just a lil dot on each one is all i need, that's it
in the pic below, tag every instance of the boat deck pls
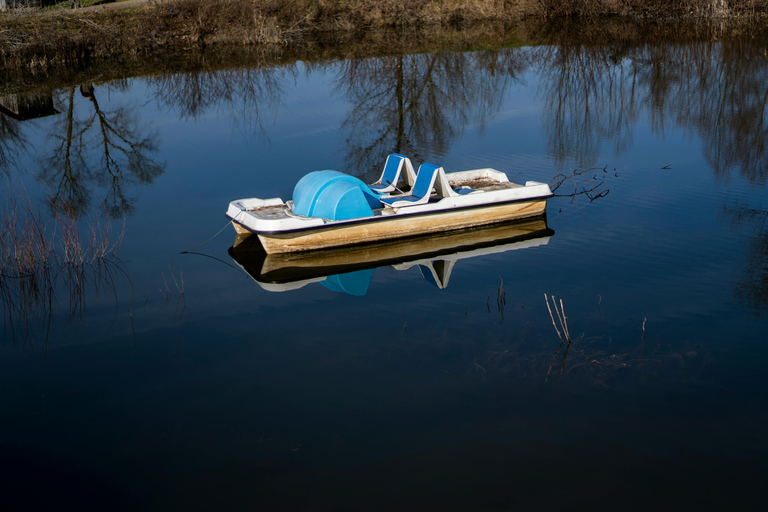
(482, 184)
(276, 212)
(284, 211)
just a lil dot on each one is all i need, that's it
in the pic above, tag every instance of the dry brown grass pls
(42, 42)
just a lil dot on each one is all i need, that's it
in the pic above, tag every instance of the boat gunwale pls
(405, 215)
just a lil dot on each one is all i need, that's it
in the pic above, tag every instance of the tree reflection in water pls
(108, 148)
(418, 104)
(713, 90)
(752, 285)
(595, 95)
(11, 143)
(722, 95)
(249, 94)
(589, 99)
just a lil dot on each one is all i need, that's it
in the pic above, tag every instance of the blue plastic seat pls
(391, 174)
(421, 191)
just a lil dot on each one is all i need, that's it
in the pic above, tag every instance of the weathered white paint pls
(397, 227)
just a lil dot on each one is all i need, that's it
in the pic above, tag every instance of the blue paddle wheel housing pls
(333, 195)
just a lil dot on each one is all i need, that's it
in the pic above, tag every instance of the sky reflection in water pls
(182, 382)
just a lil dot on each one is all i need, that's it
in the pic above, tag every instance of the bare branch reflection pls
(418, 104)
(596, 95)
(11, 143)
(589, 99)
(752, 285)
(248, 94)
(721, 93)
(108, 148)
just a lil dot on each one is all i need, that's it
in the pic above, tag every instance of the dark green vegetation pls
(149, 38)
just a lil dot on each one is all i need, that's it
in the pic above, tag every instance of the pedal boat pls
(332, 209)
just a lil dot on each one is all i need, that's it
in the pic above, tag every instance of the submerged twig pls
(561, 319)
(501, 298)
(581, 185)
(564, 337)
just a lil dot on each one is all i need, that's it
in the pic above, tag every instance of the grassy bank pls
(57, 40)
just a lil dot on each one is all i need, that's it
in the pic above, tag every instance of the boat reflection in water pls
(350, 269)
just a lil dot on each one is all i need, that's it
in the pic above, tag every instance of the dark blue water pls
(168, 380)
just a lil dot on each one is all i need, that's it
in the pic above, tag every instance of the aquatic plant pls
(43, 260)
(181, 310)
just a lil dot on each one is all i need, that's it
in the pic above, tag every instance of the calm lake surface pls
(176, 380)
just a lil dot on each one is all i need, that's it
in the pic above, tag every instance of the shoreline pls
(135, 37)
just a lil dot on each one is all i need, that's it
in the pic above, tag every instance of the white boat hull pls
(396, 227)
